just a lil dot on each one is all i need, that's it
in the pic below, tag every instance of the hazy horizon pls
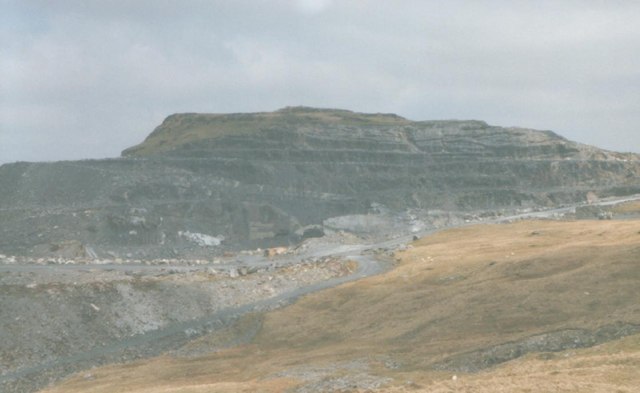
(118, 154)
(89, 79)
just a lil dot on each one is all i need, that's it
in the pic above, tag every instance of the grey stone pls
(256, 179)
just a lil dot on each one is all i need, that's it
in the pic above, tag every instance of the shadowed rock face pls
(254, 179)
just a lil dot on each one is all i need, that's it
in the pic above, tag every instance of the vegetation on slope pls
(457, 300)
(286, 127)
(182, 129)
(627, 208)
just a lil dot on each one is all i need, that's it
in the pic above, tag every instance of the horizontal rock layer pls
(254, 179)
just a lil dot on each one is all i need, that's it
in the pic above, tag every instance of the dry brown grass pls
(632, 207)
(452, 292)
(612, 367)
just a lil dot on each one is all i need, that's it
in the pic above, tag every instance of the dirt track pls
(176, 331)
(98, 290)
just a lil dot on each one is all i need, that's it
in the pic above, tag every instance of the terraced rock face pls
(255, 179)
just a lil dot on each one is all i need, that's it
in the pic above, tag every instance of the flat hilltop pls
(519, 307)
(184, 134)
(257, 180)
(183, 129)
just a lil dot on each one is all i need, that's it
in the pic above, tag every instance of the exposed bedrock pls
(254, 180)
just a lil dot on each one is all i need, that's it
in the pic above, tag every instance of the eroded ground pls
(57, 319)
(527, 306)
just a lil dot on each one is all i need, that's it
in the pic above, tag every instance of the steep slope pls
(390, 160)
(489, 304)
(257, 180)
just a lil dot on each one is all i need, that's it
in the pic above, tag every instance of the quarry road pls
(257, 262)
(176, 334)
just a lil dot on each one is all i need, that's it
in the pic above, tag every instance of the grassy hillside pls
(627, 208)
(513, 303)
(182, 129)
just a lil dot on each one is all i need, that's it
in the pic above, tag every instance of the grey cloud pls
(89, 78)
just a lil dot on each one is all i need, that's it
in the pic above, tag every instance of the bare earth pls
(533, 306)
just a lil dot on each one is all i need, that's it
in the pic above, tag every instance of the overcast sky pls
(86, 79)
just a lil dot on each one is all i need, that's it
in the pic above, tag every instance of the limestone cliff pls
(256, 179)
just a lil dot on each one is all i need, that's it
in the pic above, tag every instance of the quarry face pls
(202, 184)
(215, 216)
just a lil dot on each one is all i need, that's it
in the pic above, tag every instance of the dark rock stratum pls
(257, 179)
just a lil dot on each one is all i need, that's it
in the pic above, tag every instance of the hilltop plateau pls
(185, 245)
(203, 184)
